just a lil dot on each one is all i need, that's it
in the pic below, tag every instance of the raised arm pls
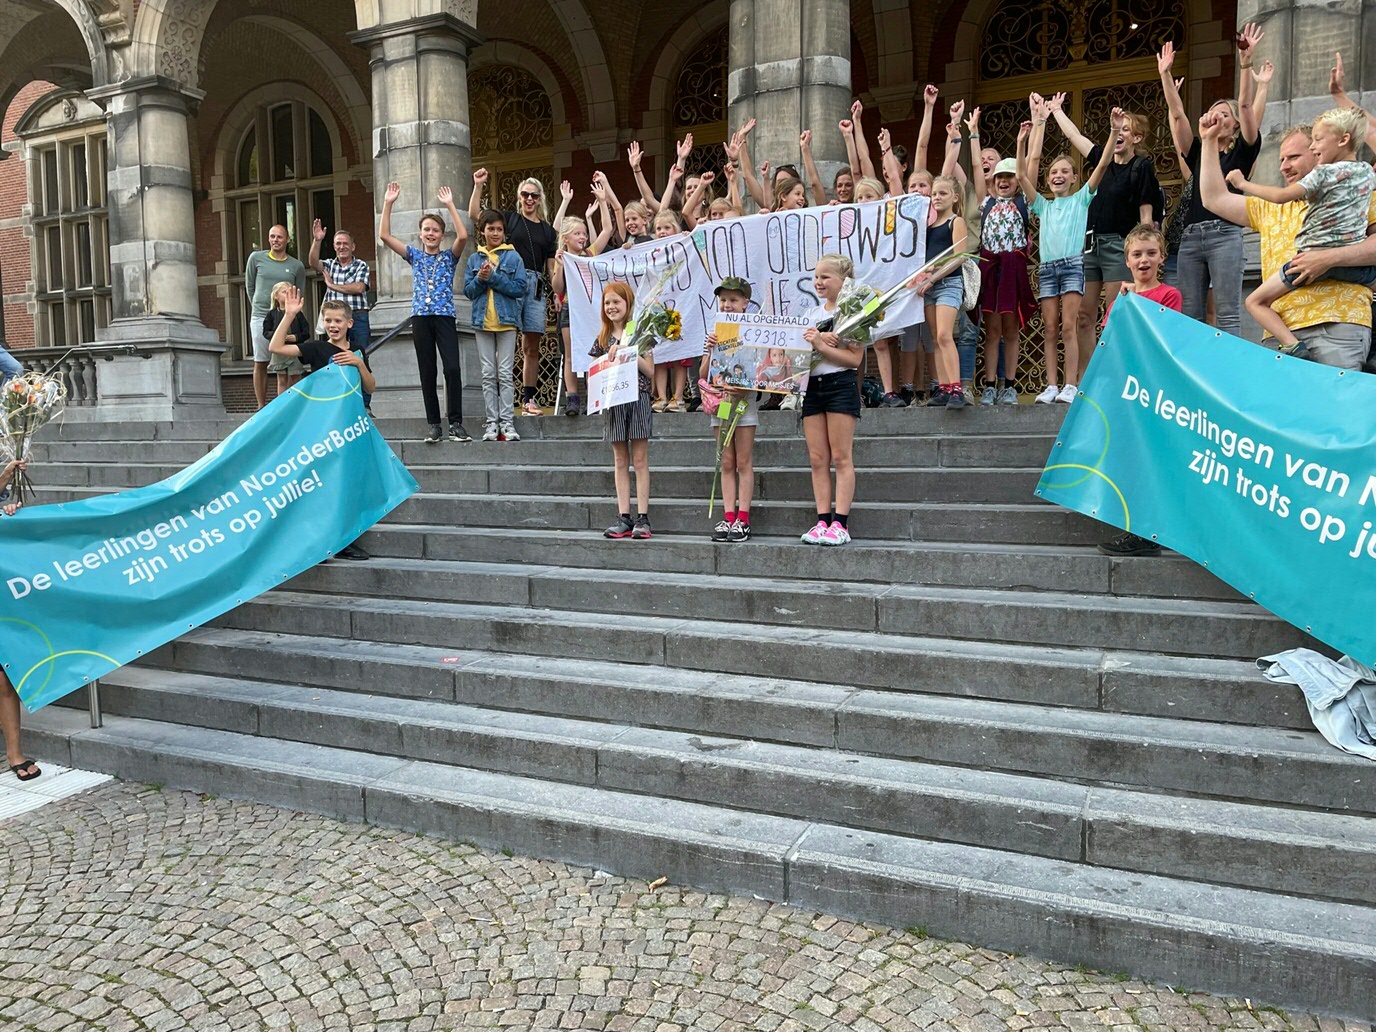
(977, 176)
(446, 197)
(674, 177)
(384, 221)
(924, 131)
(893, 171)
(1213, 190)
(814, 181)
(1181, 132)
(475, 199)
(694, 199)
(1248, 119)
(313, 258)
(291, 308)
(762, 192)
(950, 164)
(1056, 106)
(1262, 73)
(862, 146)
(1274, 194)
(1337, 85)
(601, 189)
(732, 147)
(1027, 169)
(565, 199)
(1118, 124)
(847, 128)
(646, 194)
(733, 189)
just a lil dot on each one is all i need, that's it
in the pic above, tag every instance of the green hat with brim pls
(735, 283)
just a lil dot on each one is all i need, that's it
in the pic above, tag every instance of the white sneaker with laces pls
(814, 536)
(509, 433)
(1048, 395)
(835, 535)
(489, 432)
(1068, 393)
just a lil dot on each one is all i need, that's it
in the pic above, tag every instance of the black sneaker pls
(435, 434)
(369, 409)
(722, 531)
(938, 398)
(620, 529)
(908, 395)
(892, 400)
(641, 528)
(956, 400)
(739, 531)
(1130, 544)
(458, 433)
(572, 405)
(352, 552)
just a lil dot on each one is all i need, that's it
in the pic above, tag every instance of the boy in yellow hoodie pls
(495, 283)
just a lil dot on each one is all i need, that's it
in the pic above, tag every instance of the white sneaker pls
(835, 535)
(1048, 395)
(1067, 394)
(510, 434)
(490, 432)
(814, 536)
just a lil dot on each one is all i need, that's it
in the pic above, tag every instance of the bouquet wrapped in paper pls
(27, 403)
(653, 320)
(860, 308)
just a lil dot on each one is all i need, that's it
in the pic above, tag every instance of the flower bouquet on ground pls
(27, 403)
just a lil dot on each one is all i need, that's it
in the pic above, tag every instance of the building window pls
(513, 132)
(71, 234)
(283, 174)
(1026, 37)
(700, 103)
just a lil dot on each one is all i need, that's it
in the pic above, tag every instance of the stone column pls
(790, 69)
(152, 220)
(420, 134)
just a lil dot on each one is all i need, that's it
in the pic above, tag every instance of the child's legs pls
(1070, 320)
(680, 381)
(486, 342)
(945, 358)
(1259, 303)
(728, 469)
(570, 377)
(1010, 333)
(993, 340)
(662, 381)
(621, 473)
(1089, 317)
(9, 719)
(640, 456)
(506, 389)
(840, 434)
(743, 446)
(883, 360)
(819, 458)
(1051, 327)
(907, 364)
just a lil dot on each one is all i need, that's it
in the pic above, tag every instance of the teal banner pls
(95, 584)
(1258, 466)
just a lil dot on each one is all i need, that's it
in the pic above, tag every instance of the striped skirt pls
(628, 422)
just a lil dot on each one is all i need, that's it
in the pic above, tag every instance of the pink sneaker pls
(835, 535)
(814, 536)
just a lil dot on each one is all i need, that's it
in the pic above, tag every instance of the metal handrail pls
(390, 335)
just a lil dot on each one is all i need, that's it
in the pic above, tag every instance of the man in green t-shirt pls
(266, 269)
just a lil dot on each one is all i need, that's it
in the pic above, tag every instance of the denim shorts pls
(1061, 276)
(1103, 262)
(832, 392)
(533, 308)
(949, 291)
(1341, 273)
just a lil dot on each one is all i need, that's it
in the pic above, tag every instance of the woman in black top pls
(1211, 247)
(1125, 198)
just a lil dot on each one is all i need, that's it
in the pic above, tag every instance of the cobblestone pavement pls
(135, 908)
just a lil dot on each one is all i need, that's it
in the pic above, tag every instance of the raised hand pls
(952, 133)
(730, 171)
(318, 230)
(1166, 58)
(957, 111)
(733, 148)
(856, 110)
(805, 140)
(1024, 131)
(685, 147)
(633, 153)
(588, 213)
(845, 125)
(707, 178)
(764, 169)
(972, 122)
(1118, 119)
(566, 190)
(479, 176)
(1247, 39)
(1263, 72)
(393, 192)
(675, 173)
(885, 141)
(599, 188)
(930, 95)
(292, 303)
(1208, 126)
(1337, 80)
(747, 128)
(599, 177)
(446, 196)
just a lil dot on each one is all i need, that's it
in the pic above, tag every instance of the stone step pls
(1246, 845)
(1057, 727)
(1300, 952)
(1238, 630)
(689, 699)
(1028, 567)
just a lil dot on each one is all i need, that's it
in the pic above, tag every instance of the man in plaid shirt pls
(346, 279)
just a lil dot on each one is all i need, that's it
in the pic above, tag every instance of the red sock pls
(744, 516)
(951, 388)
(729, 517)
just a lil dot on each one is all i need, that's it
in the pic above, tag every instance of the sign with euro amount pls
(94, 584)
(761, 352)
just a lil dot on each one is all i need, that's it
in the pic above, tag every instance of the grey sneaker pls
(458, 433)
(489, 432)
(989, 395)
(435, 434)
(1008, 396)
(509, 434)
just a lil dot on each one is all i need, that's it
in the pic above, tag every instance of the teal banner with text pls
(91, 585)
(1259, 466)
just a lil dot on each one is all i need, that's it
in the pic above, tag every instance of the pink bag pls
(712, 397)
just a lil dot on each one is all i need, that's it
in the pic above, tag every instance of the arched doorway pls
(512, 127)
(1101, 54)
(699, 105)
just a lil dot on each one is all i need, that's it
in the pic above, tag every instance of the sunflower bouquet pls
(27, 403)
(651, 324)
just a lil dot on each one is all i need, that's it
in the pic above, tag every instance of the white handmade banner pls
(776, 253)
(612, 380)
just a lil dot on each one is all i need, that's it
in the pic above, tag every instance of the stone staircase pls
(967, 721)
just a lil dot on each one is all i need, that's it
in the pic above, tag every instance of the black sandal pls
(26, 765)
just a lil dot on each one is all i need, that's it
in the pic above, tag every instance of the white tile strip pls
(55, 783)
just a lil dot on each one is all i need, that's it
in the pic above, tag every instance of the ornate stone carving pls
(184, 24)
(112, 16)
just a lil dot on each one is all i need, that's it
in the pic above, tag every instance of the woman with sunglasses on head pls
(529, 231)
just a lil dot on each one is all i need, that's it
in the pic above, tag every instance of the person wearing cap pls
(1005, 297)
(737, 460)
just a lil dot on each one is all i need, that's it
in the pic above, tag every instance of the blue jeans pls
(9, 366)
(1211, 255)
(358, 340)
(967, 340)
